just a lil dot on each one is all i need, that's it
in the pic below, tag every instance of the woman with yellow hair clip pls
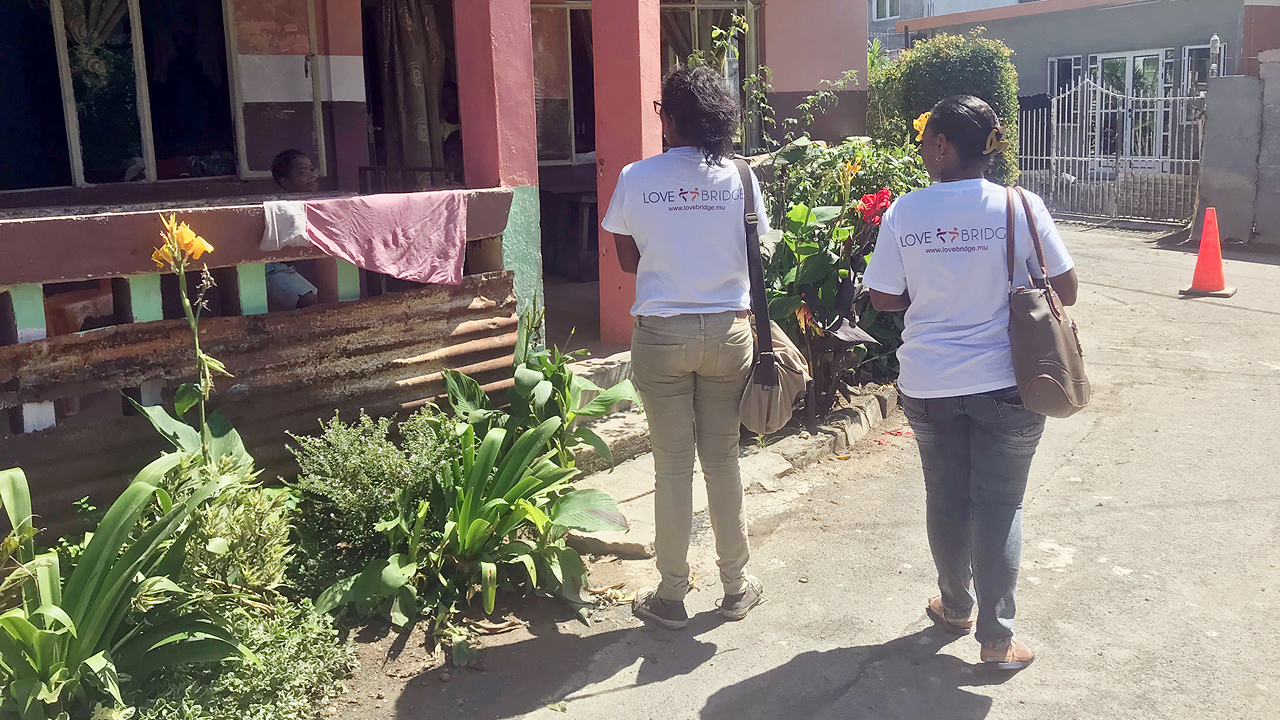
(942, 257)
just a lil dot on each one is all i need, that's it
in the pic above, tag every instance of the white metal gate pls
(1092, 151)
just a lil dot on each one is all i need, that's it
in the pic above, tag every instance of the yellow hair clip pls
(994, 143)
(920, 124)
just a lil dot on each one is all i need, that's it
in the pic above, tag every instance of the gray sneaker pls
(667, 613)
(736, 607)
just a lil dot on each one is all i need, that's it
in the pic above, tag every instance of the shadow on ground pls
(553, 666)
(903, 679)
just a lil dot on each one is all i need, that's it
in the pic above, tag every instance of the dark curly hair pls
(967, 122)
(282, 164)
(698, 101)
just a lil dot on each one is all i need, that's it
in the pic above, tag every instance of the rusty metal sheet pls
(384, 355)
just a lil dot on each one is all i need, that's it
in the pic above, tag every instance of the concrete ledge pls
(631, 481)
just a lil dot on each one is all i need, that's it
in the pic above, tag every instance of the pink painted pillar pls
(494, 39)
(495, 90)
(628, 80)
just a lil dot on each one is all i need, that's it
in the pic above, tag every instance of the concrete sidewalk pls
(1149, 581)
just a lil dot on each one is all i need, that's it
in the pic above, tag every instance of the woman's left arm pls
(1067, 286)
(884, 302)
(628, 253)
(1062, 273)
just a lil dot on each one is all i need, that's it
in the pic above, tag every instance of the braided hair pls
(698, 101)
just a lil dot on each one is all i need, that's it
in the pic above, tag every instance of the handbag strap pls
(1009, 229)
(1011, 223)
(1035, 235)
(766, 373)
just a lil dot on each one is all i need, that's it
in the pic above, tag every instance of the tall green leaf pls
(15, 494)
(588, 511)
(183, 436)
(516, 463)
(601, 404)
(465, 394)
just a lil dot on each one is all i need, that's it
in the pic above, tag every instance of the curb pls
(789, 451)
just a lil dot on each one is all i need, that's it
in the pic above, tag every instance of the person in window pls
(286, 289)
(941, 256)
(677, 221)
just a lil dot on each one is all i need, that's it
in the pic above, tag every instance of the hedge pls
(936, 69)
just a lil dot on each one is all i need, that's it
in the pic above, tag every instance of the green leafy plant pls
(828, 202)
(545, 387)
(69, 639)
(352, 477)
(491, 495)
(180, 248)
(304, 663)
(937, 68)
(241, 542)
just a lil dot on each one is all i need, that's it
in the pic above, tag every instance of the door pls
(1128, 121)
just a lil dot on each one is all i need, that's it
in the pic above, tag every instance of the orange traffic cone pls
(1209, 280)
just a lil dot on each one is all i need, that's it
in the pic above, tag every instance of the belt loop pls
(702, 321)
(639, 321)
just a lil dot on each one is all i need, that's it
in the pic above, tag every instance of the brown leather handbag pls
(1048, 360)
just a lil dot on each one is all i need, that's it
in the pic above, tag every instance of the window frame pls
(142, 95)
(750, 51)
(888, 7)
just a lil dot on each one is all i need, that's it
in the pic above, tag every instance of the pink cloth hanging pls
(420, 237)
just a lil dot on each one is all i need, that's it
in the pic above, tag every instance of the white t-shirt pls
(687, 219)
(946, 244)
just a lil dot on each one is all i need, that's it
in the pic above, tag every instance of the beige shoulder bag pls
(1047, 357)
(779, 373)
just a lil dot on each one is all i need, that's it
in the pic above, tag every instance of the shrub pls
(304, 662)
(544, 387)
(936, 69)
(494, 498)
(348, 483)
(242, 540)
(828, 202)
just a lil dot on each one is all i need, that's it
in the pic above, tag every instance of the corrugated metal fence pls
(383, 354)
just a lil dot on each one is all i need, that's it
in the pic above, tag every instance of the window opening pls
(33, 135)
(189, 87)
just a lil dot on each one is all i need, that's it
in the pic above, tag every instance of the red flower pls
(873, 207)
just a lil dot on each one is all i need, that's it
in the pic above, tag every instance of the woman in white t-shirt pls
(941, 257)
(677, 221)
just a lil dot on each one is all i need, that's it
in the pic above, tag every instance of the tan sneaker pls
(1014, 656)
(939, 614)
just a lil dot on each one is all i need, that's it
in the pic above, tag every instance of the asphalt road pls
(1149, 582)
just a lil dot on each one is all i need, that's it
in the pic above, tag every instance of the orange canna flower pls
(191, 243)
(162, 257)
(201, 247)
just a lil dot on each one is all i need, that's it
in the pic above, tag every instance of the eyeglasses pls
(657, 107)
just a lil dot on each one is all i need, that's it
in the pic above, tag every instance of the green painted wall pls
(252, 285)
(145, 302)
(28, 310)
(522, 245)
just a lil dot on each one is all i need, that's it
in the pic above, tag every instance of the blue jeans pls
(976, 451)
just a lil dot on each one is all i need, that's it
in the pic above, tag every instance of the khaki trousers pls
(690, 371)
